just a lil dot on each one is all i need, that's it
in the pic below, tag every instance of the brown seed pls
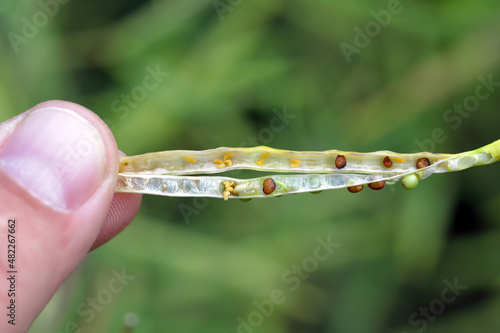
(355, 189)
(377, 185)
(340, 161)
(387, 162)
(423, 163)
(269, 186)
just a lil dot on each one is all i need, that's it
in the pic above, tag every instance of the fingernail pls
(56, 155)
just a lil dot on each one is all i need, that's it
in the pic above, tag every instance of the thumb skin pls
(58, 169)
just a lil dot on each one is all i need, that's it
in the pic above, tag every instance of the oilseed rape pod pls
(183, 173)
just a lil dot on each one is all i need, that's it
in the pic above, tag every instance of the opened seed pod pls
(174, 173)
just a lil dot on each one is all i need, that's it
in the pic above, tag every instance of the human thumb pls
(58, 168)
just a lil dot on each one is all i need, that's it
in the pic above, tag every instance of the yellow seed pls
(260, 163)
(294, 165)
(189, 159)
(163, 187)
(266, 155)
(228, 155)
(217, 161)
(228, 162)
(398, 159)
(228, 188)
(221, 166)
(294, 161)
(228, 184)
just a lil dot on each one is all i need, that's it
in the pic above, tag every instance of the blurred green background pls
(227, 70)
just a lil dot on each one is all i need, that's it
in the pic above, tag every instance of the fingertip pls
(122, 211)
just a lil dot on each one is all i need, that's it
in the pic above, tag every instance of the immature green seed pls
(268, 186)
(316, 192)
(377, 185)
(340, 161)
(245, 200)
(409, 182)
(423, 163)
